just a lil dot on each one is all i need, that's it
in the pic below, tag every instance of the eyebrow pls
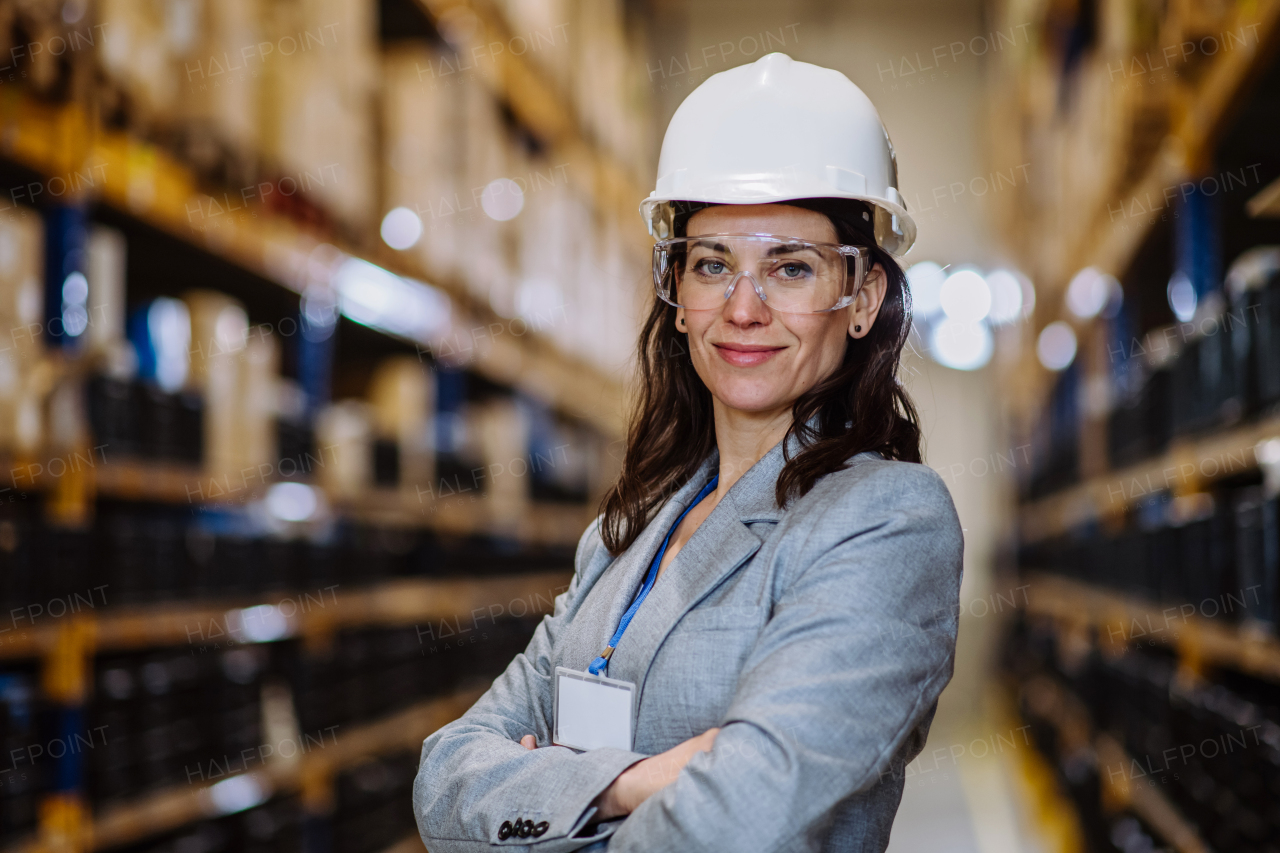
(707, 244)
(784, 249)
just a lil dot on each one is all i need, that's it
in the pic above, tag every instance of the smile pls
(746, 355)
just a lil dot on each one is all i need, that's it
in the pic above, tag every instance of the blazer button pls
(526, 829)
(541, 829)
(504, 831)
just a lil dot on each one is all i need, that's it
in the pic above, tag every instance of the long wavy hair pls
(861, 406)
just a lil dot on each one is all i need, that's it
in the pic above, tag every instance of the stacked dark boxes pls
(1212, 748)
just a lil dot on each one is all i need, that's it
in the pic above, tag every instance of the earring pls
(857, 328)
(681, 321)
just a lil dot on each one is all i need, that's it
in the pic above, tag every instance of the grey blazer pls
(818, 639)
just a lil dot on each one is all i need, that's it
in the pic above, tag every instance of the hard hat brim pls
(895, 229)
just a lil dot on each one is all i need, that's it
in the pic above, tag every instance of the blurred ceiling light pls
(1056, 346)
(380, 299)
(291, 501)
(231, 329)
(75, 288)
(169, 328)
(1182, 296)
(1268, 451)
(262, 623)
(73, 11)
(75, 296)
(1089, 291)
(1250, 271)
(401, 228)
(1006, 296)
(319, 309)
(237, 794)
(181, 22)
(537, 300)
(965, 296)
(502, 199)
(925, 281)
(323, 261)
(961, 344)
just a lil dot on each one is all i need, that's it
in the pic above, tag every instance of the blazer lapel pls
(721, 544)
(612, 594)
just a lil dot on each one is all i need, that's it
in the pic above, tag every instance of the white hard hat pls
(779, 130)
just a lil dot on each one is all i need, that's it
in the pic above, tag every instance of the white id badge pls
(592, 711)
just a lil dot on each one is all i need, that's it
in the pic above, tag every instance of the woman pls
(762, 618)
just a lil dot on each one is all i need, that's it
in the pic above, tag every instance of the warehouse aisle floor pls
(957, 801)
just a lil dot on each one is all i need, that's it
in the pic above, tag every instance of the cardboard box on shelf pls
(344, 436)
(319, 96)
(402, 395)
(105, 271)
(260, 368)
(501, 428)
(21, 311)
(137, 52)
(420, 120)
(219, 339)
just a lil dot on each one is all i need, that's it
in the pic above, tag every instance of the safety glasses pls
(789, 275)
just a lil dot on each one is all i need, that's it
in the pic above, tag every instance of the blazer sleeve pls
(474, 775)
(859, 645)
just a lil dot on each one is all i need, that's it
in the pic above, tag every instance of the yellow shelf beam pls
(312, 614)
(1267, 202)
(1055, 703)
(1119, 619)
(1147, 802)
(179, 805)
(89, 161)
(455, 513)
(1187, 466)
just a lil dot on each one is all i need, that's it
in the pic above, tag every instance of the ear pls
(866, 305)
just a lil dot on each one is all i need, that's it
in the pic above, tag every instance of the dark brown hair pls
(861, 406)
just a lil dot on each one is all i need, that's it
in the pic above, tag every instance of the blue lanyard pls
(600, 663)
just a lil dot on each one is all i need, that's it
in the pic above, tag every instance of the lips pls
(746, 355)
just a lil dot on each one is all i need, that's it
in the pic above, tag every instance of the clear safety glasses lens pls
(792, 276)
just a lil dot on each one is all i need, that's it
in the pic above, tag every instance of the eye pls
(711, 266)
(792, 270)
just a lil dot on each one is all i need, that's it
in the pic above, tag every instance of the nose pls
(744, 303)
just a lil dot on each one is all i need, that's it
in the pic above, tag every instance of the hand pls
(645, 778)
(529, 742)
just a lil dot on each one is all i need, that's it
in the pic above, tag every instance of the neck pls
(743, 438)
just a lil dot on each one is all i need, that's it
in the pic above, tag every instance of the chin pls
(746, 395)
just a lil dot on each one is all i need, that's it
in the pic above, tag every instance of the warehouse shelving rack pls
(66, 646)
(1194, 115)
(65, 141)
(390, 603)
(1192, 108)
(312, 776)
(1083, 614)
(538, 105)
(1187, 466)
(174, 483)
(1056, 704)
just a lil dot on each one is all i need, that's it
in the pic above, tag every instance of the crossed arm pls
(644, 778)
(857, 649)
